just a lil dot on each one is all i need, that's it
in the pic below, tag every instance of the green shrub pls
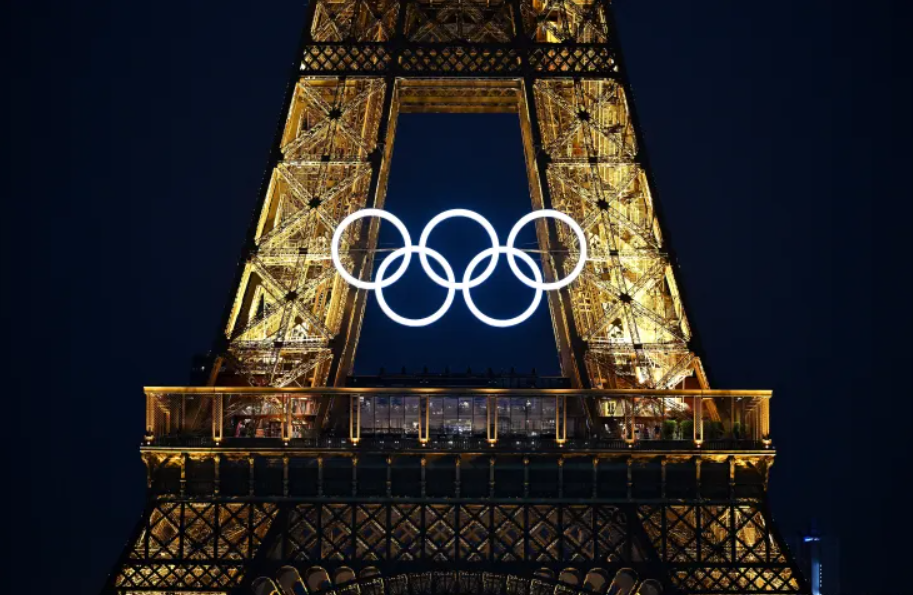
(716, 430)
(687, 427)
(669, 427)
(737, 431)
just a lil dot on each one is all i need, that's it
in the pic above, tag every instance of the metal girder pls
(293, 322)
(364, 59)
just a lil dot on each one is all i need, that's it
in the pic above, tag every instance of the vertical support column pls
(250, 477)
(629, 420)
(218, 405)
(698, 421)
(595, 477)
(630, 462)
(217, 482)
(764, 415)
(149, 461)
(571, 347)
(150, 418)
(389, 491)
(354, 476)
(183, 491)
(354, 419)
(456, 478)
(526, 477)
(491, 420)
(561, 419)
(346, 339)
(491, 477)
(561, 477)
(423, 484)
(424, 412)
(663, 464)
(286, 419)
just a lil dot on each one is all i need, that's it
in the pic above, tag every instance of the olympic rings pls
(450, 283)
(581, 241)
(451, 287)
(468, 296)
(334, 248)
(423, 241)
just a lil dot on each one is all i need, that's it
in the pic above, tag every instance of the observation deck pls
(525, 476)
(469, 419)
(399, 437)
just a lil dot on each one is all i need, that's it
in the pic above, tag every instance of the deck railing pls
(459, 419)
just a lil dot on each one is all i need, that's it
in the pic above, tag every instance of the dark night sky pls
(136, 135)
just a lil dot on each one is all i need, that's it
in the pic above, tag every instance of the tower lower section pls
(218, 520)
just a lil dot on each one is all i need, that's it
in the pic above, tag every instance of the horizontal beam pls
(456, 391)
(348, 450)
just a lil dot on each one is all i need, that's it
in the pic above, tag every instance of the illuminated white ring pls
(407, 251)
(581, 262)
(423, 241)
(337, 235)
(501, 323)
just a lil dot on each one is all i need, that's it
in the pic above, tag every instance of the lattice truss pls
(195, 545)
(722, 548)
(354, 20)
(703, 547)
(626, 305)
(565, 21)
(474, 21)
(445, 533)
(290, 301)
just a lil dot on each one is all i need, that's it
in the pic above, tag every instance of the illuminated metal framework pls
(636, 479)
(295, 322)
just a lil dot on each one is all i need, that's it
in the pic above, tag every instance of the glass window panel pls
(479, 415)
(465, 408)
(411, 406)
(382, 413)
(436, 414)
(397, 411)
(367, 413)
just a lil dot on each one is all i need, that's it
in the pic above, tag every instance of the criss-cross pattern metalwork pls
(629, 483)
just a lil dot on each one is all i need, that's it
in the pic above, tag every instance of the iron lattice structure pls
(295, 322)
(279, 504)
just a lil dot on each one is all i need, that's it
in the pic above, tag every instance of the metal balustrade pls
(478, 419)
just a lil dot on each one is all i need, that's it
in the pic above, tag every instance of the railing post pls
(491, 420)
(698, 420)
(150, 418)
(286, 418)
(561, 419)
(424, 412)
(217, 408)
(629, 420)
(355, 419)
(764, 416)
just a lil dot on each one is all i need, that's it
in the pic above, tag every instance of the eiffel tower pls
(282, 473)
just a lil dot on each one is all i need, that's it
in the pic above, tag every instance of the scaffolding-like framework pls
(295, 322)
(524, 513)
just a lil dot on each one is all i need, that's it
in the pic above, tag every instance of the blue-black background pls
(135, 137)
